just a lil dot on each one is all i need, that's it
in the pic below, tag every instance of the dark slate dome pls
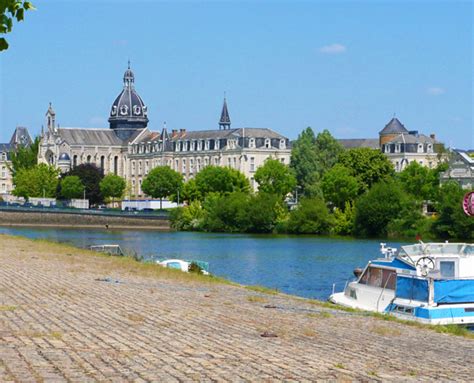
(64, 157)
(128, 112)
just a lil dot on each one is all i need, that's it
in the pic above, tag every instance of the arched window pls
(102, 163)
(88, 159)
(115, 165)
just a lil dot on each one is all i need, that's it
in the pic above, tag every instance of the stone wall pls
(64, 219)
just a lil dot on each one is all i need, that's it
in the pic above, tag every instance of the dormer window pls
(430, 148)
(252, 143)
(136, 109)
(123, 110)
(206, 145)
(113, 112)
(216, 145)
(267, 143)
(282, 143)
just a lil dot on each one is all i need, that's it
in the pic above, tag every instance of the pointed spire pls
(224, 122)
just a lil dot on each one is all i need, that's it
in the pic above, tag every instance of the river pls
(306, 266)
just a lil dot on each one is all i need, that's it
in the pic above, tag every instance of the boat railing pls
(345, 285)
(384, 287)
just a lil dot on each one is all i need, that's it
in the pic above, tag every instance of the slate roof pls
(5, 148)
(350, 143)
(228, 133)
(412, 139)
(82, 136)
(225, 118)
(20, 132)
(394, 126)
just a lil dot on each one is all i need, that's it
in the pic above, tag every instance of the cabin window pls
(378, 277)
(447, 269)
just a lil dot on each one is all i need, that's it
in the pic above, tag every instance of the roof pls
(225, 118)
(412, 139)
(228, 133)
(394, 126)
(83, 136)
(350, 143)
(5, 148)
(21, 136)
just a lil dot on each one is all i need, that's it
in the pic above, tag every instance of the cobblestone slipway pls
(67, 315)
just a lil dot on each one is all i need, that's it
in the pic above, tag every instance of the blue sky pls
(343, 66)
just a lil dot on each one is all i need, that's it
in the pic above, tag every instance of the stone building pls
(461, 170)
(402, 146)
(21, 137)
(130, 149)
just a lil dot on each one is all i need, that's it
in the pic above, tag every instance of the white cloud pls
(333, 49)
(97, 122)
(435, 91)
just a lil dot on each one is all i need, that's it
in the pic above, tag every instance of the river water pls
(300, 265)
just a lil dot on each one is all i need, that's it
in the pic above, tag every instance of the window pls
(176, 165)
(267, 143)
(252, 143)
(191, 165)
(115, 165)
(146, 167)
(89, 159)
(282, 160)
(229, 163)
(4, 188)
(74, 160)
(4, 172)
(282, 144)
(133, 168)
(235, 163)
(206, 161)
(198, 164)
(377, 277)
(447, 269)
(216, 161)
(183, 166)
(139, 167)
(252, 164)
(102, 163)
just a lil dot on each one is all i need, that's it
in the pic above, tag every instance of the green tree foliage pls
(189, 192)
(452, 222)
(420, 181)
(38, 181)
(275, 178)
(344, 219)
(327, 151)
(311, 157)
(216, 179)
(226, 213)
(112, 186)
(369, 166)
(10, 10)
(188, 217)
(339, 186)
(71, 187)
(161, 182)
(24, 157)
(374, 210)
(310, 217)
(265, 211)
(90, 176)
(303, 158)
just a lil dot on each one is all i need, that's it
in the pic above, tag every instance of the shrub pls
(310, 217)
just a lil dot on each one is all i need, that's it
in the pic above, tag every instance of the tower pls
(51, 119)
(128, 113)
(224, 122)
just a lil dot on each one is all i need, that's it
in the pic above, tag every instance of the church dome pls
(128, 110)
(64, 157)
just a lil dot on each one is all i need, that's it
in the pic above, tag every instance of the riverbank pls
(70, 314)
(74, 219)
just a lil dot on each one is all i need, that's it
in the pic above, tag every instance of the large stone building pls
(20, 137)
(402, 146)
(130, 149)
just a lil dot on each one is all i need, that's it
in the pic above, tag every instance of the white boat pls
(186, 266)
(431, 283)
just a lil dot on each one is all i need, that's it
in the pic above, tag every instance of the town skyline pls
(286, 67)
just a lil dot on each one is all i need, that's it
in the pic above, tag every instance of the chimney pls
(433, 136)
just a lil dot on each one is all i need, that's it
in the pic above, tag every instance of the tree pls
(327, 151)
(419, 181)
(339, 186)
(112, 186)
(275, 178)
(226, 212)
(312, 156)
(303, 158)
(369, 166)
(72, 187)
(90, 176)
(24, 157)
(38, 181)
(310, 217)
(452, 222)
(374, 210)
(216, 179)
(161, 182)
(10, 10)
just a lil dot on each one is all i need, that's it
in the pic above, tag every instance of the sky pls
(348, 67)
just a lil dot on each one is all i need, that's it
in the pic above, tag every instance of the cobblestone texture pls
(60, 321)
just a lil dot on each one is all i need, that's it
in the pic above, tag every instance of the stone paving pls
(67, 315)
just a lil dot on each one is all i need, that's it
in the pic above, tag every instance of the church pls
(130, 149)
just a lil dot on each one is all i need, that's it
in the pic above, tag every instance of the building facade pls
(461, 170)
(21, 137)
(402, 146)
(130, 149)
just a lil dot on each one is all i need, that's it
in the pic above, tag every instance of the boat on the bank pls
(427, 282)
(187, 266)
(108, 249)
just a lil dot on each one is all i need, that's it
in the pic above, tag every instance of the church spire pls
(224, 122)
